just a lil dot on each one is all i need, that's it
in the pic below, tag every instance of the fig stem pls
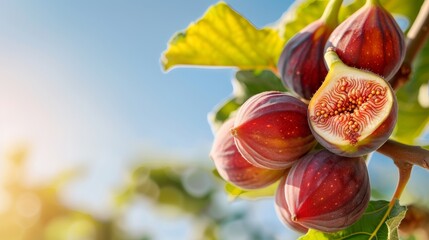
(415, 40)
(330, 14)
(404, 169)
(331, 57)
(405, 154)
(373, 2)
(404, 157)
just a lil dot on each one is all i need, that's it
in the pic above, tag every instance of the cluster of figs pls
(314, 139)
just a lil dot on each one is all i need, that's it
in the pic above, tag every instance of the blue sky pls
(81, 85)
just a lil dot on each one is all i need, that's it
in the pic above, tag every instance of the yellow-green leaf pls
(235, 192)
(222, 37)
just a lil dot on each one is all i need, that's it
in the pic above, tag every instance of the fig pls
(301, 66)
(327, 192)
(354, 111)
(233, 168)
(282, 209)
(370, 39)
(271, 130)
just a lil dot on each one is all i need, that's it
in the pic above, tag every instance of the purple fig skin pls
(327, 192)
(370, 39)
(282, 209)
(301, 65)
(233, 168)
(271, 130)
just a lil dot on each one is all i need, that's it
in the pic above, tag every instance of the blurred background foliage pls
(36, 212)
(175, 189)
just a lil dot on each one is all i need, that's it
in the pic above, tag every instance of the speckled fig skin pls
(327, 192)
(370, 39)
(282, 210)
(301, 64)
(233, 168)
(271, 130)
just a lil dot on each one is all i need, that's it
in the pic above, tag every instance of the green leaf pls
(412, 116)
(235, 192)
(223, 111)
(249, 83)
(222, 37)
(246, 84)
(396, 216)
(367, 225)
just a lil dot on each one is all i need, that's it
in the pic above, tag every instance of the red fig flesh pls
(354, 112)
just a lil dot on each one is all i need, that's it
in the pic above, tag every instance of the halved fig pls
(327, 192)
(354, 111)
(233, 168)
(271, 130)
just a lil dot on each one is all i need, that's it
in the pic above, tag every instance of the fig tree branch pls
(415, 41)
(404, 155)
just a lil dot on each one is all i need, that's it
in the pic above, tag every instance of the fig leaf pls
(367, 225)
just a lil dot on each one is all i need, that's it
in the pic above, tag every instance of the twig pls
(405, 154)
(402, 155)
(415, 41)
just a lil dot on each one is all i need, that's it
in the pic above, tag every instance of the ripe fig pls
(370, 39)
(354, 111)
(301, 64)
(233, 168)
(282, 209)
(327, 192)
(271, 130)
